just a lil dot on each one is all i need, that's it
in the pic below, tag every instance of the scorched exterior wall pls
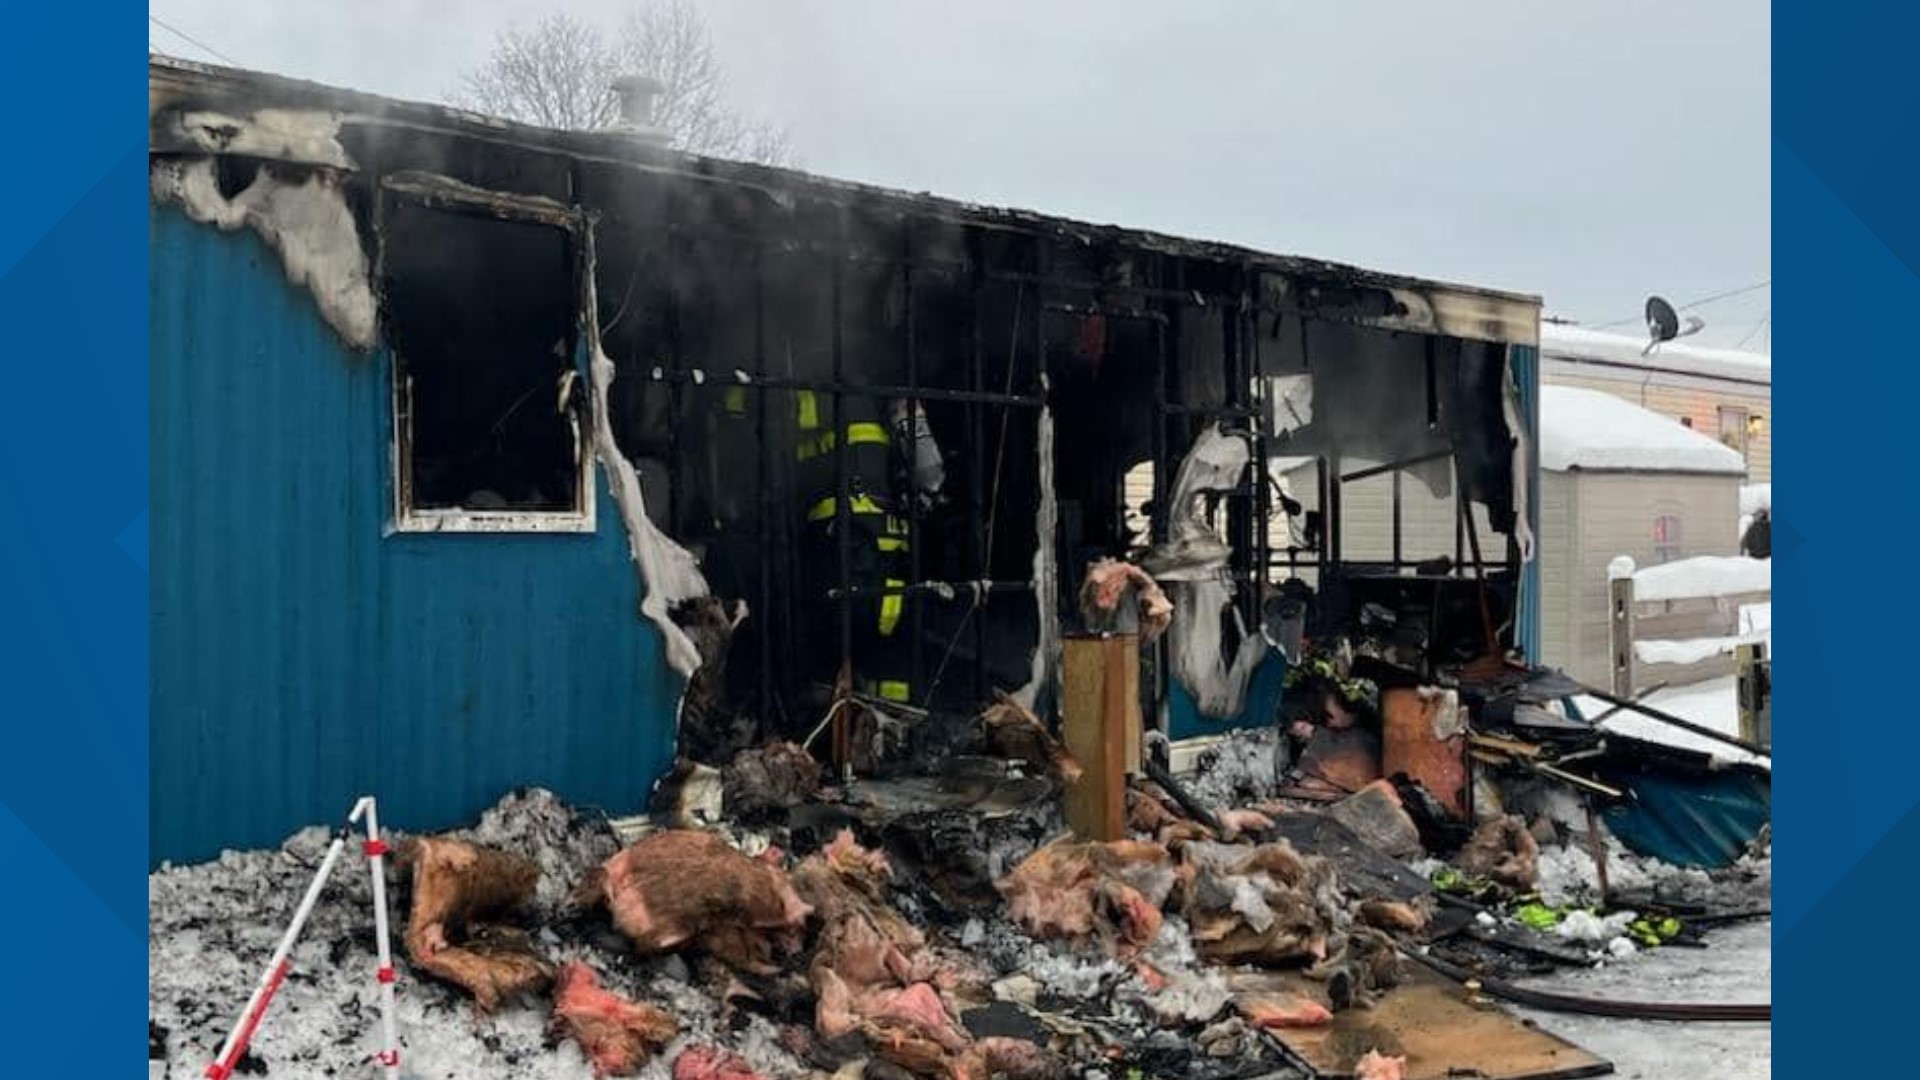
(301, 658)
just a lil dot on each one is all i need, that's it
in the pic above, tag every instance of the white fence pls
(1686, 621)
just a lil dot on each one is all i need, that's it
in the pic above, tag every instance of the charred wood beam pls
(1395, 466)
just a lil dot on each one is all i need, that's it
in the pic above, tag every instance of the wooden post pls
(1597, 847)
(1620, 622)
(1100, 723)
(1756, 695)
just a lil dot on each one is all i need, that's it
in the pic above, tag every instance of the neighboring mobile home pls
(1616, 480)
(1724, 394)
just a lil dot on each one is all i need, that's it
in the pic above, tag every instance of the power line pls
(191, 40)
(1757, 327)
(1702, 302)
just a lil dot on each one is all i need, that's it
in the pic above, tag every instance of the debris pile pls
(768, 924)
(617, 1035)
(680, 887)
(465, 890)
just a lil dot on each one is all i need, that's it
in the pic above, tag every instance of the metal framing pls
(1036, 295)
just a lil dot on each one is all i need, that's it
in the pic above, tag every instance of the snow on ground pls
(1735, 968)
(211, 928)
(1711, 704)
(1690, 650)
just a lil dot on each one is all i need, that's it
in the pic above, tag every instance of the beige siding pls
(1427, 528)
(1698, 400)
(1611, 514)
(1426, 520)
(1556, 550)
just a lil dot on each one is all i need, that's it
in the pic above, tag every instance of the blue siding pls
(1525, 360)
(301, 659)
(1265, 688)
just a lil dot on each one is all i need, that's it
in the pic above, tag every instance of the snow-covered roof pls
(1579, 344)
(1592, 430)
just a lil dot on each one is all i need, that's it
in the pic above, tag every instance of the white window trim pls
(407, 518)
(582, 517)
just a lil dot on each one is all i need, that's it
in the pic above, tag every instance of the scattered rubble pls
(618, 1035)
(933, 927)
(1375, 1066)
(1503, 851)
(1016, 733)
(759, 784)
(1376, 815)
(460, 892)
(1108, 583)
(212, 925)
(681, 887)
(1112, 892)
(712, 1063)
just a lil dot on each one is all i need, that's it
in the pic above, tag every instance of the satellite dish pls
(1663, 324)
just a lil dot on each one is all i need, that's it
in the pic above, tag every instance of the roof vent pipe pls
(636, 94)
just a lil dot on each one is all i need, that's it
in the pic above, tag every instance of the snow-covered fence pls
(1687, 620)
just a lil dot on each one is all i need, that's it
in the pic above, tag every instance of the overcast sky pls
(1589, 153)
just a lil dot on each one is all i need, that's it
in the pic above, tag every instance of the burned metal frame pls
(1239, 294)
(839, 387)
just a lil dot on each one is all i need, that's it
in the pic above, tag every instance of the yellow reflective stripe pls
(857, 435)
(891, 543)
(887, 689)
(891, 605)
(824, 509)
(809, 410)
(867, 434)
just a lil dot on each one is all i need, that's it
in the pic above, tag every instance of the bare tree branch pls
(560, 72)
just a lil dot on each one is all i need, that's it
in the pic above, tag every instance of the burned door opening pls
(840, 414)
(482, 313)
(838, 417)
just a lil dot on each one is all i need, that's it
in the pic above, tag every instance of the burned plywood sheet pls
(1426, 1020)
(1363, 870)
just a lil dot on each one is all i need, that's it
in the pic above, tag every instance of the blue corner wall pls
(1525, 363)
(300, 658)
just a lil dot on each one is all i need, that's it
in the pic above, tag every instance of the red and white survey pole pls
(235, 1047)
(376, 849)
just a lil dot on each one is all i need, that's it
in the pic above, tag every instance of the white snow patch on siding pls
(307, 221)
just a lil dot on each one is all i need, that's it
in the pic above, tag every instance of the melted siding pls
(301, 659)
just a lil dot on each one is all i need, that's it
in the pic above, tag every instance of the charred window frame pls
(481, 299)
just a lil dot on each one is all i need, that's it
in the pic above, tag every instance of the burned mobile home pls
(488, 455)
